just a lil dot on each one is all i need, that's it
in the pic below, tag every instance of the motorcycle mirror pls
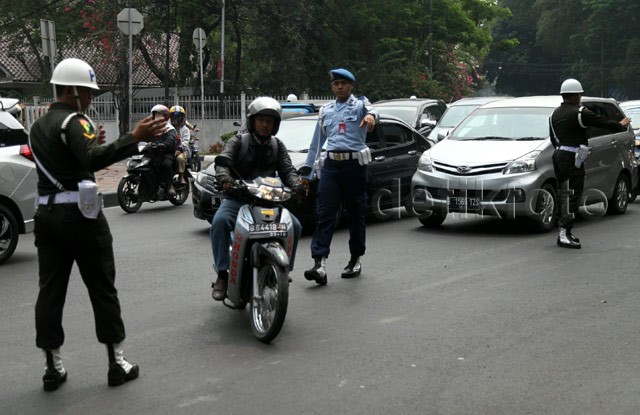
(304, 171)
(224, 161)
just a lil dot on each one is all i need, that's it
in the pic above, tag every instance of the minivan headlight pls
(523, 164)
(424, 162)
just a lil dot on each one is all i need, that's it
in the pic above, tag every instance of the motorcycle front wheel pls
(269, 304)
(129, 195)
(195, 163)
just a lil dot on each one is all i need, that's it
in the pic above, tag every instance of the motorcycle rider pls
(167, 145)
(255, 153)
(179, 121)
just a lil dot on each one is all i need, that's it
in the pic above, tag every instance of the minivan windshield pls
(513, 124)
(455, 113)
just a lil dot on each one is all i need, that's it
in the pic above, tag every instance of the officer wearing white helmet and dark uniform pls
(69, 224)
(568, 132)
(343, 124)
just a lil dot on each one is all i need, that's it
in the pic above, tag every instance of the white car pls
(497, 161)
(455, 113)
(18, 180)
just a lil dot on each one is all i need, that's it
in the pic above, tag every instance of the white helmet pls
(265, 106)
(571, 86)
(292, 97)
(162, 109)
(74, 72)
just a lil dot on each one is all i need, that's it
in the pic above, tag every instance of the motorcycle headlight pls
(424, 162)
(523, 164)
(274, 194)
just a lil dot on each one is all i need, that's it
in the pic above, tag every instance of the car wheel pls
(545, 213)
(432, 219)
(8, 233)
(620, 200)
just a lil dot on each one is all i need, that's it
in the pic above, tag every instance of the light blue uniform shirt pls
(339, 126)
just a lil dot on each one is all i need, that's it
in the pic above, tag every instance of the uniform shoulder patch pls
(89, 131)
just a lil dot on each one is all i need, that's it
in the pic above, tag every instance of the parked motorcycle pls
(144, 183)
(261, 246)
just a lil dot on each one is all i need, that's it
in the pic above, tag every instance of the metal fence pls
(104, 108)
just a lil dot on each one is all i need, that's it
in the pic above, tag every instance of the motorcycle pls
(143, 183)
(193, 158)
(262, 241)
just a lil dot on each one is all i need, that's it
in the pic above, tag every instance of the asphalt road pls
(479, 317)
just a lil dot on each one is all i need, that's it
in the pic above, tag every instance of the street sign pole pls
(130, 22)
(199, 39)
(48, 33)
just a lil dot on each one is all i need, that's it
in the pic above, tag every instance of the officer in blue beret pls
(343, 124)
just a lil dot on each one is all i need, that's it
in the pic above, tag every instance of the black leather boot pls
(353, 268)
(53, 378)
(317, 273)
(219, 291)
(120, 371)
(565, 241)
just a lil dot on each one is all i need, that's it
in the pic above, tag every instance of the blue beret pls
(341, 73)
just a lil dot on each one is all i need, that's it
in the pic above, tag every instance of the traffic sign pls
(130, 18)
(48, 34)
(199, 38)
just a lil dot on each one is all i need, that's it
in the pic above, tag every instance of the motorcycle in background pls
(143, 183)
(261, 246)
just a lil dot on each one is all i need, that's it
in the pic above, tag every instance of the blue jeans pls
(222, 225)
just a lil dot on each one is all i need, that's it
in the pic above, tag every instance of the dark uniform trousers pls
(341, 180)
(570, 185)
(62, 236)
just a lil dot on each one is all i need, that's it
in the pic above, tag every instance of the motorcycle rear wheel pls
(269, 304)
(129, 195)
(182, 193)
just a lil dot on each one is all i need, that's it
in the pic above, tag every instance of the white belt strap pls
(569, 148)
(62, 197)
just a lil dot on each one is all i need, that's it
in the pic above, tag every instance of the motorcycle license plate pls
(268, 227)
(464, 202)
(278, 230)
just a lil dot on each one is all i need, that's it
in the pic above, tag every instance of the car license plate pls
(468, 202)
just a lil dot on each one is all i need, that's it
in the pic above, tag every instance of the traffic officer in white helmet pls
(67, 151)
(568, 131)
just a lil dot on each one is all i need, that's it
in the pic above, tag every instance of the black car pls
(395, 148)
(420, 113)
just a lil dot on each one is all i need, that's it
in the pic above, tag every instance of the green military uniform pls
(63, 235)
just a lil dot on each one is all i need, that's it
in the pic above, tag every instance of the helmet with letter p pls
(74, 72)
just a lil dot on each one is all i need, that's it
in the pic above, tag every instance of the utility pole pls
(167, 52)
(430, 37)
